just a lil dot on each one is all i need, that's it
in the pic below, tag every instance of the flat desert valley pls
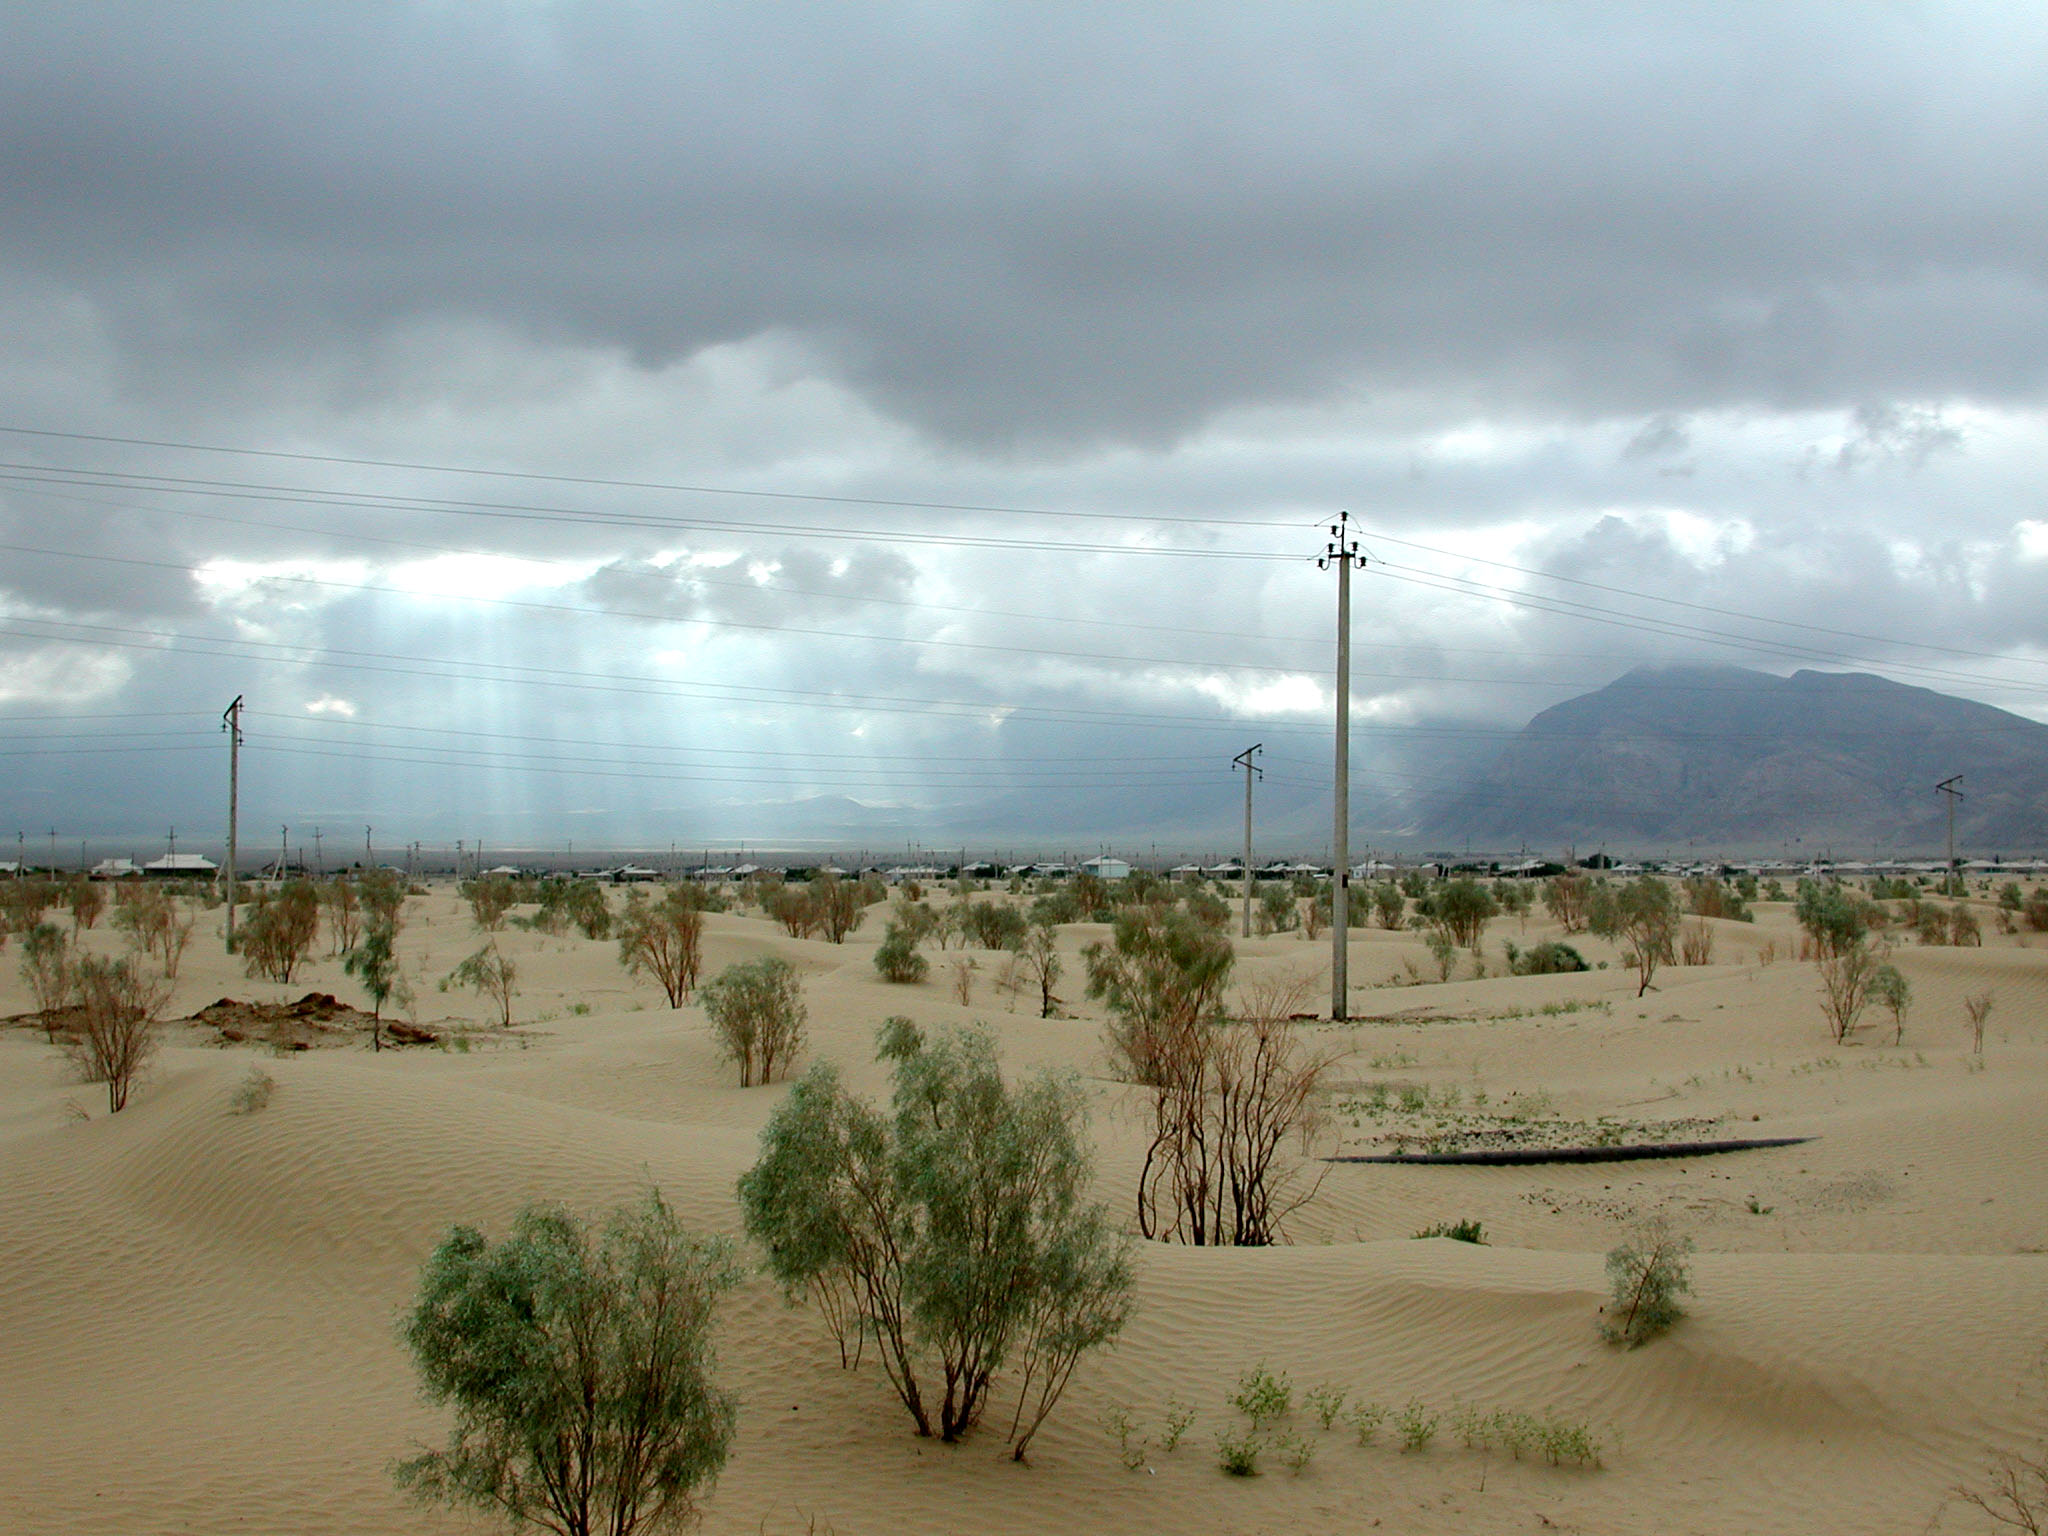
(200, 1300)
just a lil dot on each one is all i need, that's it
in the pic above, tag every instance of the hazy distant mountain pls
(1725, 759)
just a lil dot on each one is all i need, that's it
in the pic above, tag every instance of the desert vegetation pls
(757, 1014)
(954, 1234)
(579, 1368)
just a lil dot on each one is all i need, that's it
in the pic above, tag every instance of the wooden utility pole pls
(1244, 760)
(231, 722)
(1948, 787)
(1343, 552)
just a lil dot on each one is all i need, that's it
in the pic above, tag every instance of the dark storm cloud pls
(1014, 223)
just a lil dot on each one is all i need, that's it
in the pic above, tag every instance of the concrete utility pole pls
(319, 859)
(231, 722)
(1948, 787)
(1244, 760)
(1343, 552)
(284, 850)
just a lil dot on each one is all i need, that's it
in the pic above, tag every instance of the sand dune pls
(199, 1305)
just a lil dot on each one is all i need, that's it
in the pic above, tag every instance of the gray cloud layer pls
(1746, 308)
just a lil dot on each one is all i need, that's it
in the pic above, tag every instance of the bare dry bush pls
(1565, 897)
(1696, 943)
(1229, 1097)
(1978, 1007)
(154, 926)
(113, 1034)
(1845, 979)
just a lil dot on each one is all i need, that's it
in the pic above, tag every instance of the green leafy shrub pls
(1262, 1396)
(1416, 1425)
(1325, 1400)
(955, 1232)
(898, 958)
(579, 1367)
(1646, 1274)
(757, 1012)
(1466, 1231)
(1238, 1454)
(1547, 959)
(1365, 1420)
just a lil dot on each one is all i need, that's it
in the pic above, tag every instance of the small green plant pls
(1129, 1435)
(1565, 1441)
(1263, 1397)
(1646, 1275)
(1326, 1400)
(1295, 1451)
(1238, 1454)
(1758, 1208)
(1416, 1426)
(1466, 1231)
(252, 1092)
(1365, 1420)
(1179, 1416)
(1474, 1429)
(579, 1010)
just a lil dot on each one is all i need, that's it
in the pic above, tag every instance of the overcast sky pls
(870, 426)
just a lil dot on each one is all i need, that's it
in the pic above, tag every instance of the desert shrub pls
(1160, 972)
(1416, 1425)
(489, 973)
(1278, 912)
(1977, 1008)
(1237, 1453)
(1706, 896)
(1845, 977)
(898, 959)
(1466, 1231)
(46, 967)
(1646, 1274)
(788, 905)
(1129, 1436)
(1963, 928)
(382, 894)
(1179, 1417)
(1444, 951)
(279, 931)
(2013, 1493)
(1229, 1099)
(1388, 904)
(1460, 909)
(579, 1366)
(155, 927)
(1206, 908)
(757, 1012)
(490, 898)
(2035, 912)
(956, 1230)
(1565, 896)
(1037, 951)
(1295, 1451)
(252, 1093)
(1833, 917)
(990, 924)
(1262, 1396)
(1891, 991)
(1547, 959)
(374, 962)
(86, 901)
(663, 939)
(1646, 917)
(1326, 1400)
(1696, 943)
(114, 1032)
(344, 914)
(1365, 1420)
(23, 901)
(837, 906)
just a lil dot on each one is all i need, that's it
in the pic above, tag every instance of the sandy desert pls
(200, 1304)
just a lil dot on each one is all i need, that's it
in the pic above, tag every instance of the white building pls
(1107, 868)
